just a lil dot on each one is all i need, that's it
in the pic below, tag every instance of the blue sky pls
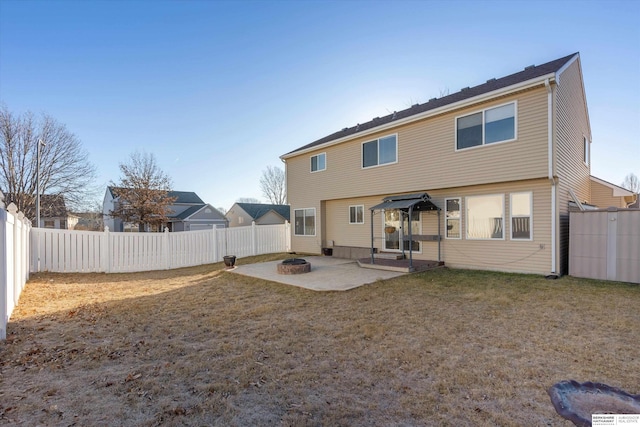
(219, 90)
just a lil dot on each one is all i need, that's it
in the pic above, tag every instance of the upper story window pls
(380, 151)
(585, 150)
(356, 214)
(497, 124)
(452, 218)
(485, 217)
(319, 162)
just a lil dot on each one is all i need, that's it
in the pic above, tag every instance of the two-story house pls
(188, 213)
(500, 161)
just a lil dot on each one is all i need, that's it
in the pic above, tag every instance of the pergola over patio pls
(407, 204)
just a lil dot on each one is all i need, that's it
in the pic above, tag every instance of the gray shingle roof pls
(187, 213)
(185, 197)
(256, 210)
(528, 73)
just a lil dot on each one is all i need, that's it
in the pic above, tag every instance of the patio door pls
(396, 226)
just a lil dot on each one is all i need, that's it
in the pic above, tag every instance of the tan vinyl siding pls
(504, 255)
(237, 217)
(427, 157)
(602, 196)
(571, 126)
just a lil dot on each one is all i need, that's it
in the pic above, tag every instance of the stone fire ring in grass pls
(577, 402)
(294, 266)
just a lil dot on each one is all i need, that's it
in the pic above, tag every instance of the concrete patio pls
(327, 274)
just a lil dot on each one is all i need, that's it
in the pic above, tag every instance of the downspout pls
(550, 176)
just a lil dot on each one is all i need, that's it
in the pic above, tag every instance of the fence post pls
(105, 251)
(17, 257)
(166, 261)
(254, 239)
(214, 238)
(612, 244)
(3, 270)
(287, 236)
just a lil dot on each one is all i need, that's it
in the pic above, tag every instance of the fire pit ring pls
(294, 266)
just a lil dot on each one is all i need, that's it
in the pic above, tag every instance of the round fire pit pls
(294, 266)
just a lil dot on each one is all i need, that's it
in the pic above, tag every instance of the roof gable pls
(189, 212)
(491, 85)
(617, 191)
(257, 210)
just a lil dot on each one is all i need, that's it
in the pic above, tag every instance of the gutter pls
(436, 111)
(554, 225)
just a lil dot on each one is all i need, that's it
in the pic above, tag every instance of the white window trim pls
(530, 216)
(356, 206)
(484, 144)
(459, 199)
(325, 162)
(315, 223)
(362, 166)
(466, 223)
(586, 151)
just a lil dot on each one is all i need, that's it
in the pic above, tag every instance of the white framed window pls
(305, 222)
(452, 218)
(356, 214)
(380, 151)
(49, 223)
(585, 150)
(485, 217)
(319, 162)
(491, 125)
(521, 206)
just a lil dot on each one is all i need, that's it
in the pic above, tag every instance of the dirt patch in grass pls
(199, 346)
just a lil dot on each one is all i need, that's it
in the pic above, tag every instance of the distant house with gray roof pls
(188, 213)
(243, 214)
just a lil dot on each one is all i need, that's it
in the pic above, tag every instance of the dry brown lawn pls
(201, 346)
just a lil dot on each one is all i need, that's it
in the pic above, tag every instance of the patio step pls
(388, 255)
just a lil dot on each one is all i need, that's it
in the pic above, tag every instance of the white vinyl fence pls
(70, 251)
(14, 257)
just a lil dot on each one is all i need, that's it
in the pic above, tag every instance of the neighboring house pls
(89, 221)
(605, 194)
(243, 214)
(500, 162)
(188, 213)
(53, 212)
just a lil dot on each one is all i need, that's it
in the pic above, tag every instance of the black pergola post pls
(372, 257)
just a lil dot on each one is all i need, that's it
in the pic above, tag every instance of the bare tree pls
(143, 192)
(248, 200)
(272, 185)
(64, 165)
(631, 183)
